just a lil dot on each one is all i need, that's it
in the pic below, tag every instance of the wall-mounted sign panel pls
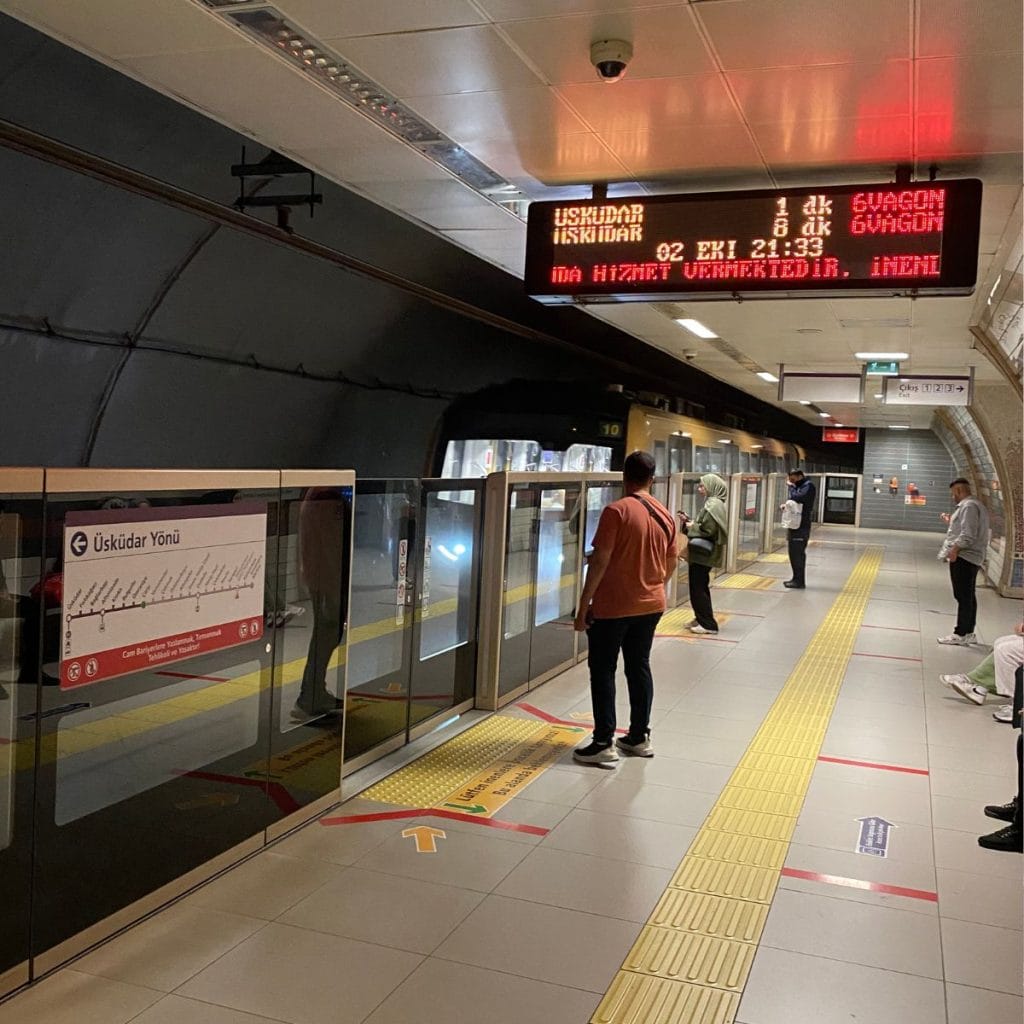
(841, 435)
(928, 390)
(838, 240)
(821, 387)
(149, 588)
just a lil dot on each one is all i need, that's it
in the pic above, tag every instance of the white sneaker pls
(701, 631)
(954, 640)
(949, 680)
(1004, 714)
(642, 748)
(967, 690)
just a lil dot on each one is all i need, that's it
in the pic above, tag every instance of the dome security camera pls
(611, 58)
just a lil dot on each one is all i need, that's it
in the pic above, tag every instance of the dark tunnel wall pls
(135, 333)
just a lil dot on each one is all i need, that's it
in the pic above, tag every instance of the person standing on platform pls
(623, 599)
(964, 549)
(803, 492)
(707, 536)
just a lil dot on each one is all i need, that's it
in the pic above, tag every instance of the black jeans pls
(700, 595)
(798, 554)
(633, 635)
(963, 575)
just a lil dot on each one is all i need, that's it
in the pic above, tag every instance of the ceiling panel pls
(444, 205)
(471, 116)
(114, 29)
(665, 44)
(560, 160)
(648, 104)
(701, 147)
(824, 93)
(436, 63)
(330, 18)
(959, 85)
(253, 90)
(940, 137)
(842, 141)
(383, 160)
(795, 33)
(950, 27)
(519, 10)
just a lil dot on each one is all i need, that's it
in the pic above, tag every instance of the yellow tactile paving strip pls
(746, 581)
(434, 776)
(693, 956)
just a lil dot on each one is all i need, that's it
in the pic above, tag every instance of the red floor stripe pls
(284, 800)
(888, 657)
(873, 764)
(545, 717)
(859, 883)
(436, 812)
(896, 629)
(186, 675)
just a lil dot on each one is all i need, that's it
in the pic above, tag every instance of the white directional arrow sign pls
(927, 390)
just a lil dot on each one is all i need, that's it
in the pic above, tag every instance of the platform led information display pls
(838, 240)
(149, 588)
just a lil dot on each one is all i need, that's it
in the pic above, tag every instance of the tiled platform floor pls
(347, 924)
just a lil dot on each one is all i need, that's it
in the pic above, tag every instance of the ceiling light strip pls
(271, 29)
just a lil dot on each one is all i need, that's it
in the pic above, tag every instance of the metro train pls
(537, 427)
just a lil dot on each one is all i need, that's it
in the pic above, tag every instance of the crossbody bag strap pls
(665, 529)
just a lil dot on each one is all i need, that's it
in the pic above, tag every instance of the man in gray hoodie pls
(964, 549)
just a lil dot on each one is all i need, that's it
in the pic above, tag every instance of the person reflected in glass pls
(707, 536)
(322, 554)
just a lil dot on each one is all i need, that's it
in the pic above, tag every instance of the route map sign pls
(896, 239)
(147, 588)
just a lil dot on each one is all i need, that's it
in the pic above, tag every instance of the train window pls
(659, 458)
(744, 462)
(680, 454)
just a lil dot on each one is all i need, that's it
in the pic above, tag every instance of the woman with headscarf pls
(710, 530)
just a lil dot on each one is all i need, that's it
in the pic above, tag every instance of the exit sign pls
(848, 435)
(882, 368)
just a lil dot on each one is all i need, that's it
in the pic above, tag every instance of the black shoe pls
(1009, 840)
(793, 585)
(1002, 812)
(323, 705)
(595, 753)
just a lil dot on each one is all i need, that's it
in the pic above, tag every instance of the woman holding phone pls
(707, 536)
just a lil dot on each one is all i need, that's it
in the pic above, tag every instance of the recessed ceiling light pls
(757, 446)
(881, 355)
(770, 377)
(899, 426)
(802, 402)
(826, 415)
(879, 396)
(724, 440)
(696, 327)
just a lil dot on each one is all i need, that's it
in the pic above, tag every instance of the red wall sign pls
(847, 435)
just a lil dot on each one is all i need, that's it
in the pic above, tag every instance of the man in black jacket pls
(803, 492)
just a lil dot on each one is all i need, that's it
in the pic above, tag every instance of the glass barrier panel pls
(22, 600)
(751, 496)
(383, 582)
(444, 670)
(555, 577)
(313, 568)
(156, 717)
(598, 496)
(520, 553)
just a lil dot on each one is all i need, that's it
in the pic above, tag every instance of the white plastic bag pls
(791, 515)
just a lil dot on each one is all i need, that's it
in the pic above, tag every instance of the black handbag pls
(701, 544)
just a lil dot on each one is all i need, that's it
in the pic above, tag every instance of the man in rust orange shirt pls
(623, 599)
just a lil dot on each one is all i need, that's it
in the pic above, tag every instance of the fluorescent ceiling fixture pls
(724, 440)
(770, 377)
(879, 396)
(899, 426)
(696, 327)
(757, 446)
(802, 402)
(827, 415)
(879, 356)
